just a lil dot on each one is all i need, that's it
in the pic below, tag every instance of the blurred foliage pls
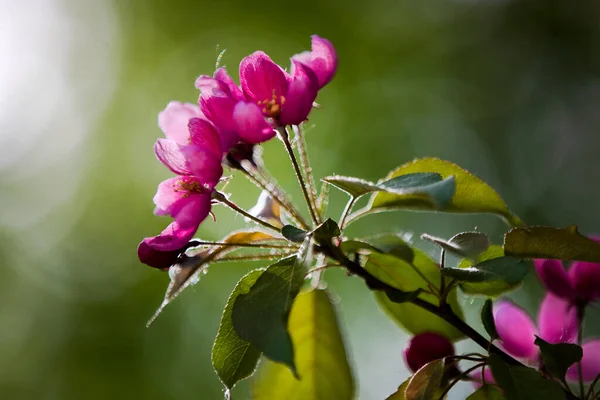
(507, 89)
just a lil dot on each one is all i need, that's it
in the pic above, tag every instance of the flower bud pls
(427, 347)
(267, 209)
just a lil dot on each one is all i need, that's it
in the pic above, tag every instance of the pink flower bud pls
(427, 347)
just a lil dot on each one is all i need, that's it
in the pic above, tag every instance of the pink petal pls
(204, 134)
(234, 90)
(173, 120)
(516, 330)
(219, 111)
(155, 258)
(251, 124)
(301, 94)
(555, 278)
(189, 160)
(261, 79)
(585, 277)
(210, 86)
(557, 320)
(590, 363)
(487, 377)
(189, 212)
(322, 59)
(172, 196)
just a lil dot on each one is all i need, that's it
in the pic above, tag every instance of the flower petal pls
(301, 94)
(204, 134)
(155, 258)
(585, 277)
(173, 120)
(235, 91)
(555, 278)
(189, 212)
(251, 124)
(590, 363)
(557, 320)
(219, 111)
(487, 376)
(261, 79)
(516, 330)
(322, 59)
(189, 160)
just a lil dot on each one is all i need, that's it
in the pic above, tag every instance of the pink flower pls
(322, 59)
(173, 120)
(268, 97)
(557, 323)
(426, 347)
(579, 285)
(187, 197)
(224, 104)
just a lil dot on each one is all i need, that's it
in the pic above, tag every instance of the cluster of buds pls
(222, 129)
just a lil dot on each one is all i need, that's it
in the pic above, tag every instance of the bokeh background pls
(507, 89)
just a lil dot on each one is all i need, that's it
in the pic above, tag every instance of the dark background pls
(507, 89)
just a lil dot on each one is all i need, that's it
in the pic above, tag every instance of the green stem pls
(233, 244)
(221, 198)
(458, 378)
(590, 391)
(268, 184)
(305, 164)
(253, 257)
(346, 211)
(288, 146)
(580, 319)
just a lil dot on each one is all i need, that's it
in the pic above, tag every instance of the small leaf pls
(187, 272)
(465, 244)
(260, 317)
(355, 187)
(395, 272)
(293, 234)
(413, 318)
(326, 231)
(425, 383)
(471, 195)
(487, 392)
(233, 358)
(559, 357)
(546, 242)
(487, 318)
(320, 356)
(523, 383)
(399, 394)
(387, 243)
(398, 296)
(487, 284)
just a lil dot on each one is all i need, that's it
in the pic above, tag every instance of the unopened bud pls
(427, 347)
(267, 209)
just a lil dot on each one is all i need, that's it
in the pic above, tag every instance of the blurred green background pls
(507, 89)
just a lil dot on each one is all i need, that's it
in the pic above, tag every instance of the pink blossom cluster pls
(228, 117)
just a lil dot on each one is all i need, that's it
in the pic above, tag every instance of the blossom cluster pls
(228, 117)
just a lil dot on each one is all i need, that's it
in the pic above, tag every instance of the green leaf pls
(293, 234)
(188, 271)
(559, 357)
(398, 296)
(487, 319)
(486, 392)
(356, 187)
(260, 317)
(396, 272)
(326, 231)
(388, 243)
(320, 356)
(546, 242)
(465, 244)
(523, 383)
(399, 394)
(233, 358)
(500, 276)
(471, 194)
(426, 382)
(409, 316)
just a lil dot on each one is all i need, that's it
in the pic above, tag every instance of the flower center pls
(189, 186)
(272, 106)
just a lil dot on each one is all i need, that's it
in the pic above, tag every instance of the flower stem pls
(305, 164)
(258, 177)
(346, 211)
(221, 198)
(288, 146)
(458, 379)
(580, 319)
(256, 245)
